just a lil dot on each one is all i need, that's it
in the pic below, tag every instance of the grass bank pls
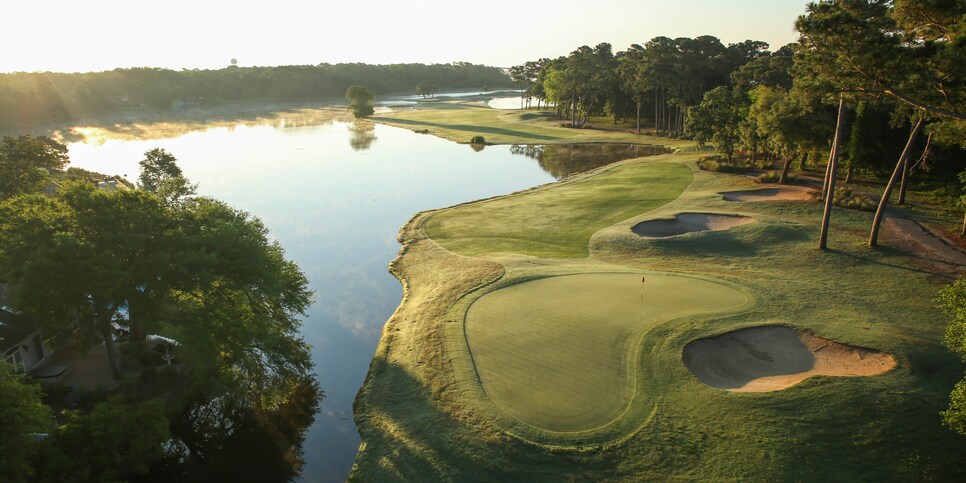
(425, 411)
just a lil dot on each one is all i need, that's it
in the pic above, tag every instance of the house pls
(21, 341)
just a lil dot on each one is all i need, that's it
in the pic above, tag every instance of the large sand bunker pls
(687, 223)
(769, 194)
(769, 358)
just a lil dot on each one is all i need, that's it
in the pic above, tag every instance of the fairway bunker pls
(769, 194)
(689, 222)
(770, 358)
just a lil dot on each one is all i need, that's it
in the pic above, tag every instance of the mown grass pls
(423, 413)
(558, 221)
(460, 122)
(559, 353)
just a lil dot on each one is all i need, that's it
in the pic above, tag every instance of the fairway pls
(560, 353)
(559, 221)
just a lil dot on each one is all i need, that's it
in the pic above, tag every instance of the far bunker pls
(688, 222)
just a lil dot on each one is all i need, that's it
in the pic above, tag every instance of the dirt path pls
(928, 248)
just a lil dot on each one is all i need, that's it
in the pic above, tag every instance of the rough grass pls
(424, 415)
(559, 353)
(558, 221)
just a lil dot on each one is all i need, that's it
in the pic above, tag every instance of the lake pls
(334, 194)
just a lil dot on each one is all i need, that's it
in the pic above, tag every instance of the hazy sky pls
(79, 35)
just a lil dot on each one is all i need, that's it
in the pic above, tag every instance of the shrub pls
(477, 140)
(774, 176)
(421, 131)
(721, 165)
(846, 198)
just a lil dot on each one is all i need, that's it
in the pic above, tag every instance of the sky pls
(96, 35)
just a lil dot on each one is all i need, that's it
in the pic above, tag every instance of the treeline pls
(657, 81)
(893, 63)
(28, 98)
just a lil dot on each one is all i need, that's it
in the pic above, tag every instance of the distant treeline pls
(28, 98)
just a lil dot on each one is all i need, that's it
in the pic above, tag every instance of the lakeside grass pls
(423, 413)
(459, 122)
(558, 222)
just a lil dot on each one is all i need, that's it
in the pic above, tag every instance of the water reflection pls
(363, 135)
(562, 160)
(222, 439)
(338, 218)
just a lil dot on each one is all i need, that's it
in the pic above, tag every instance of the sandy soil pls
(687, 223)
(770, 358)
(785, 193)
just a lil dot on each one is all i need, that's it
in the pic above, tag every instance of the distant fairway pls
(559, 221)
(560, 353)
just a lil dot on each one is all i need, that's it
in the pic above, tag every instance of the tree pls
(360, 101)
(26, 163)
(74, 262)
(907, 49)
(160, 174)
(116, 441)
(427, 88)
(717, 119)
(237, 314)
(952, 301)
(21, 414)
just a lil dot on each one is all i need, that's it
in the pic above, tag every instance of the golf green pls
(560, 353)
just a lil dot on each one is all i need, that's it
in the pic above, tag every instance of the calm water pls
(335, 196)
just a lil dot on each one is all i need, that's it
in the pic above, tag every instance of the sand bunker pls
(687, 223)
(770, 194)
(770, 358)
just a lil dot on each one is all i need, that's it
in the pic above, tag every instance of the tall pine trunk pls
(904, 183)
(900, 167)
(830, 189)
(638, 117)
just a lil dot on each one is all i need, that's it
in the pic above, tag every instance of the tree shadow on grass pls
(407, 438)
(468, 128)
(745, 241)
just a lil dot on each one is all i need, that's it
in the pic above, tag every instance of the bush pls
(477, 140)
(846, 198)
(719, 164)
(421, 131)
(774, 176)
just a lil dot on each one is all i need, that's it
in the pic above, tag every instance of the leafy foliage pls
(952, 301)
(26, 163)
(115, 442)
(21, 414)
(360, 101)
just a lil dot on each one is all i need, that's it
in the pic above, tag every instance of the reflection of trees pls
(562, 160)
(363, 135)
(224, 439)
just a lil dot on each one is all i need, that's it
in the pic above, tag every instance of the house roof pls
(13, 328)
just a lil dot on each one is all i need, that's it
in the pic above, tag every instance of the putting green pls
(560, 353)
